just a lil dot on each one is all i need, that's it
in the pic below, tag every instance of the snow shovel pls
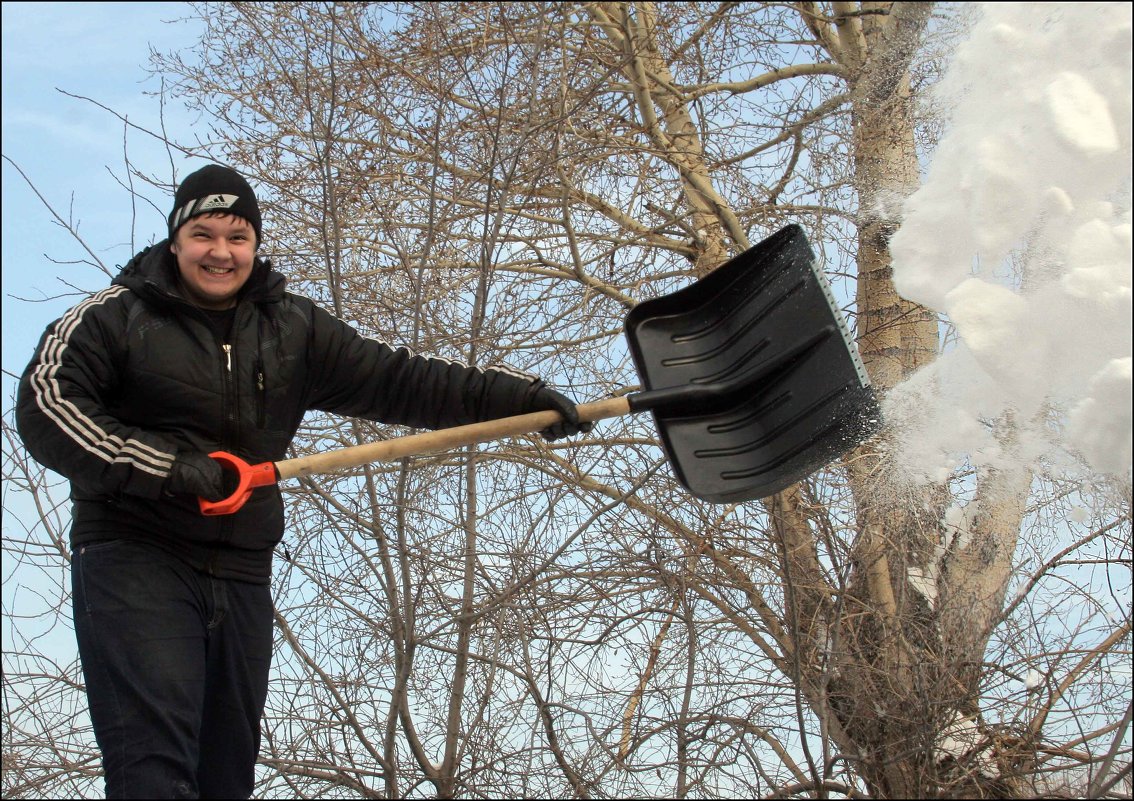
(751, 375)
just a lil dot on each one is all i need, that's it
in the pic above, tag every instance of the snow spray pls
(1021, 236)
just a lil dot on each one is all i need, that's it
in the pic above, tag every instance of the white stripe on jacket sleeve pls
(85, 432)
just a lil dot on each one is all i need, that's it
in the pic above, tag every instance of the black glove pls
(541, 397)
(194, 473)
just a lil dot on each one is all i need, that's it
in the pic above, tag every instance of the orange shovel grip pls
(251, 476)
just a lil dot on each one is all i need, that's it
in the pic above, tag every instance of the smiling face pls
(215, 255)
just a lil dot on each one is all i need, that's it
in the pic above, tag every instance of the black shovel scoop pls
(750, 372)
(765, 383)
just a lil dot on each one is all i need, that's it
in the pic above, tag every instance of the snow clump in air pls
(1021, 237)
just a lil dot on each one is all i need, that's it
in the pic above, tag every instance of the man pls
(195, 347)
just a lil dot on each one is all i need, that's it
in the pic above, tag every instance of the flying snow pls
(1021, 236)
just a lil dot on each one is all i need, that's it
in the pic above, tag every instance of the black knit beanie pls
(214, 188)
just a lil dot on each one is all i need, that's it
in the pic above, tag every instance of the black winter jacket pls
(135, 374)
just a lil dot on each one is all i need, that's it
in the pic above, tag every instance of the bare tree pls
(502, 182)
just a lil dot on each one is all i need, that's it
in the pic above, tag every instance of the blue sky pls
(69, 148)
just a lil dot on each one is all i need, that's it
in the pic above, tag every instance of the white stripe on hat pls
(203, 204)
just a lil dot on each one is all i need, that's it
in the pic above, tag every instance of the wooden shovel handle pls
(446, 439)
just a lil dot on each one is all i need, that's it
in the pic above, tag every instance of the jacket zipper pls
(231, 432)
(260, 410)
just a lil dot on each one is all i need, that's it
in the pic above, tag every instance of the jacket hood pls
(153, 272)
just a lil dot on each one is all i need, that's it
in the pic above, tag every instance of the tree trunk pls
(909, 669)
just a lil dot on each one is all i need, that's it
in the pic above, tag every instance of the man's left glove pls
(541, 397)
(195, 473)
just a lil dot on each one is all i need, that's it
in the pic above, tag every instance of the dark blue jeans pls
(176, 666)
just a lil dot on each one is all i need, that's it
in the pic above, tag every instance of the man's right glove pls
(541, 397)
(194, 473)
